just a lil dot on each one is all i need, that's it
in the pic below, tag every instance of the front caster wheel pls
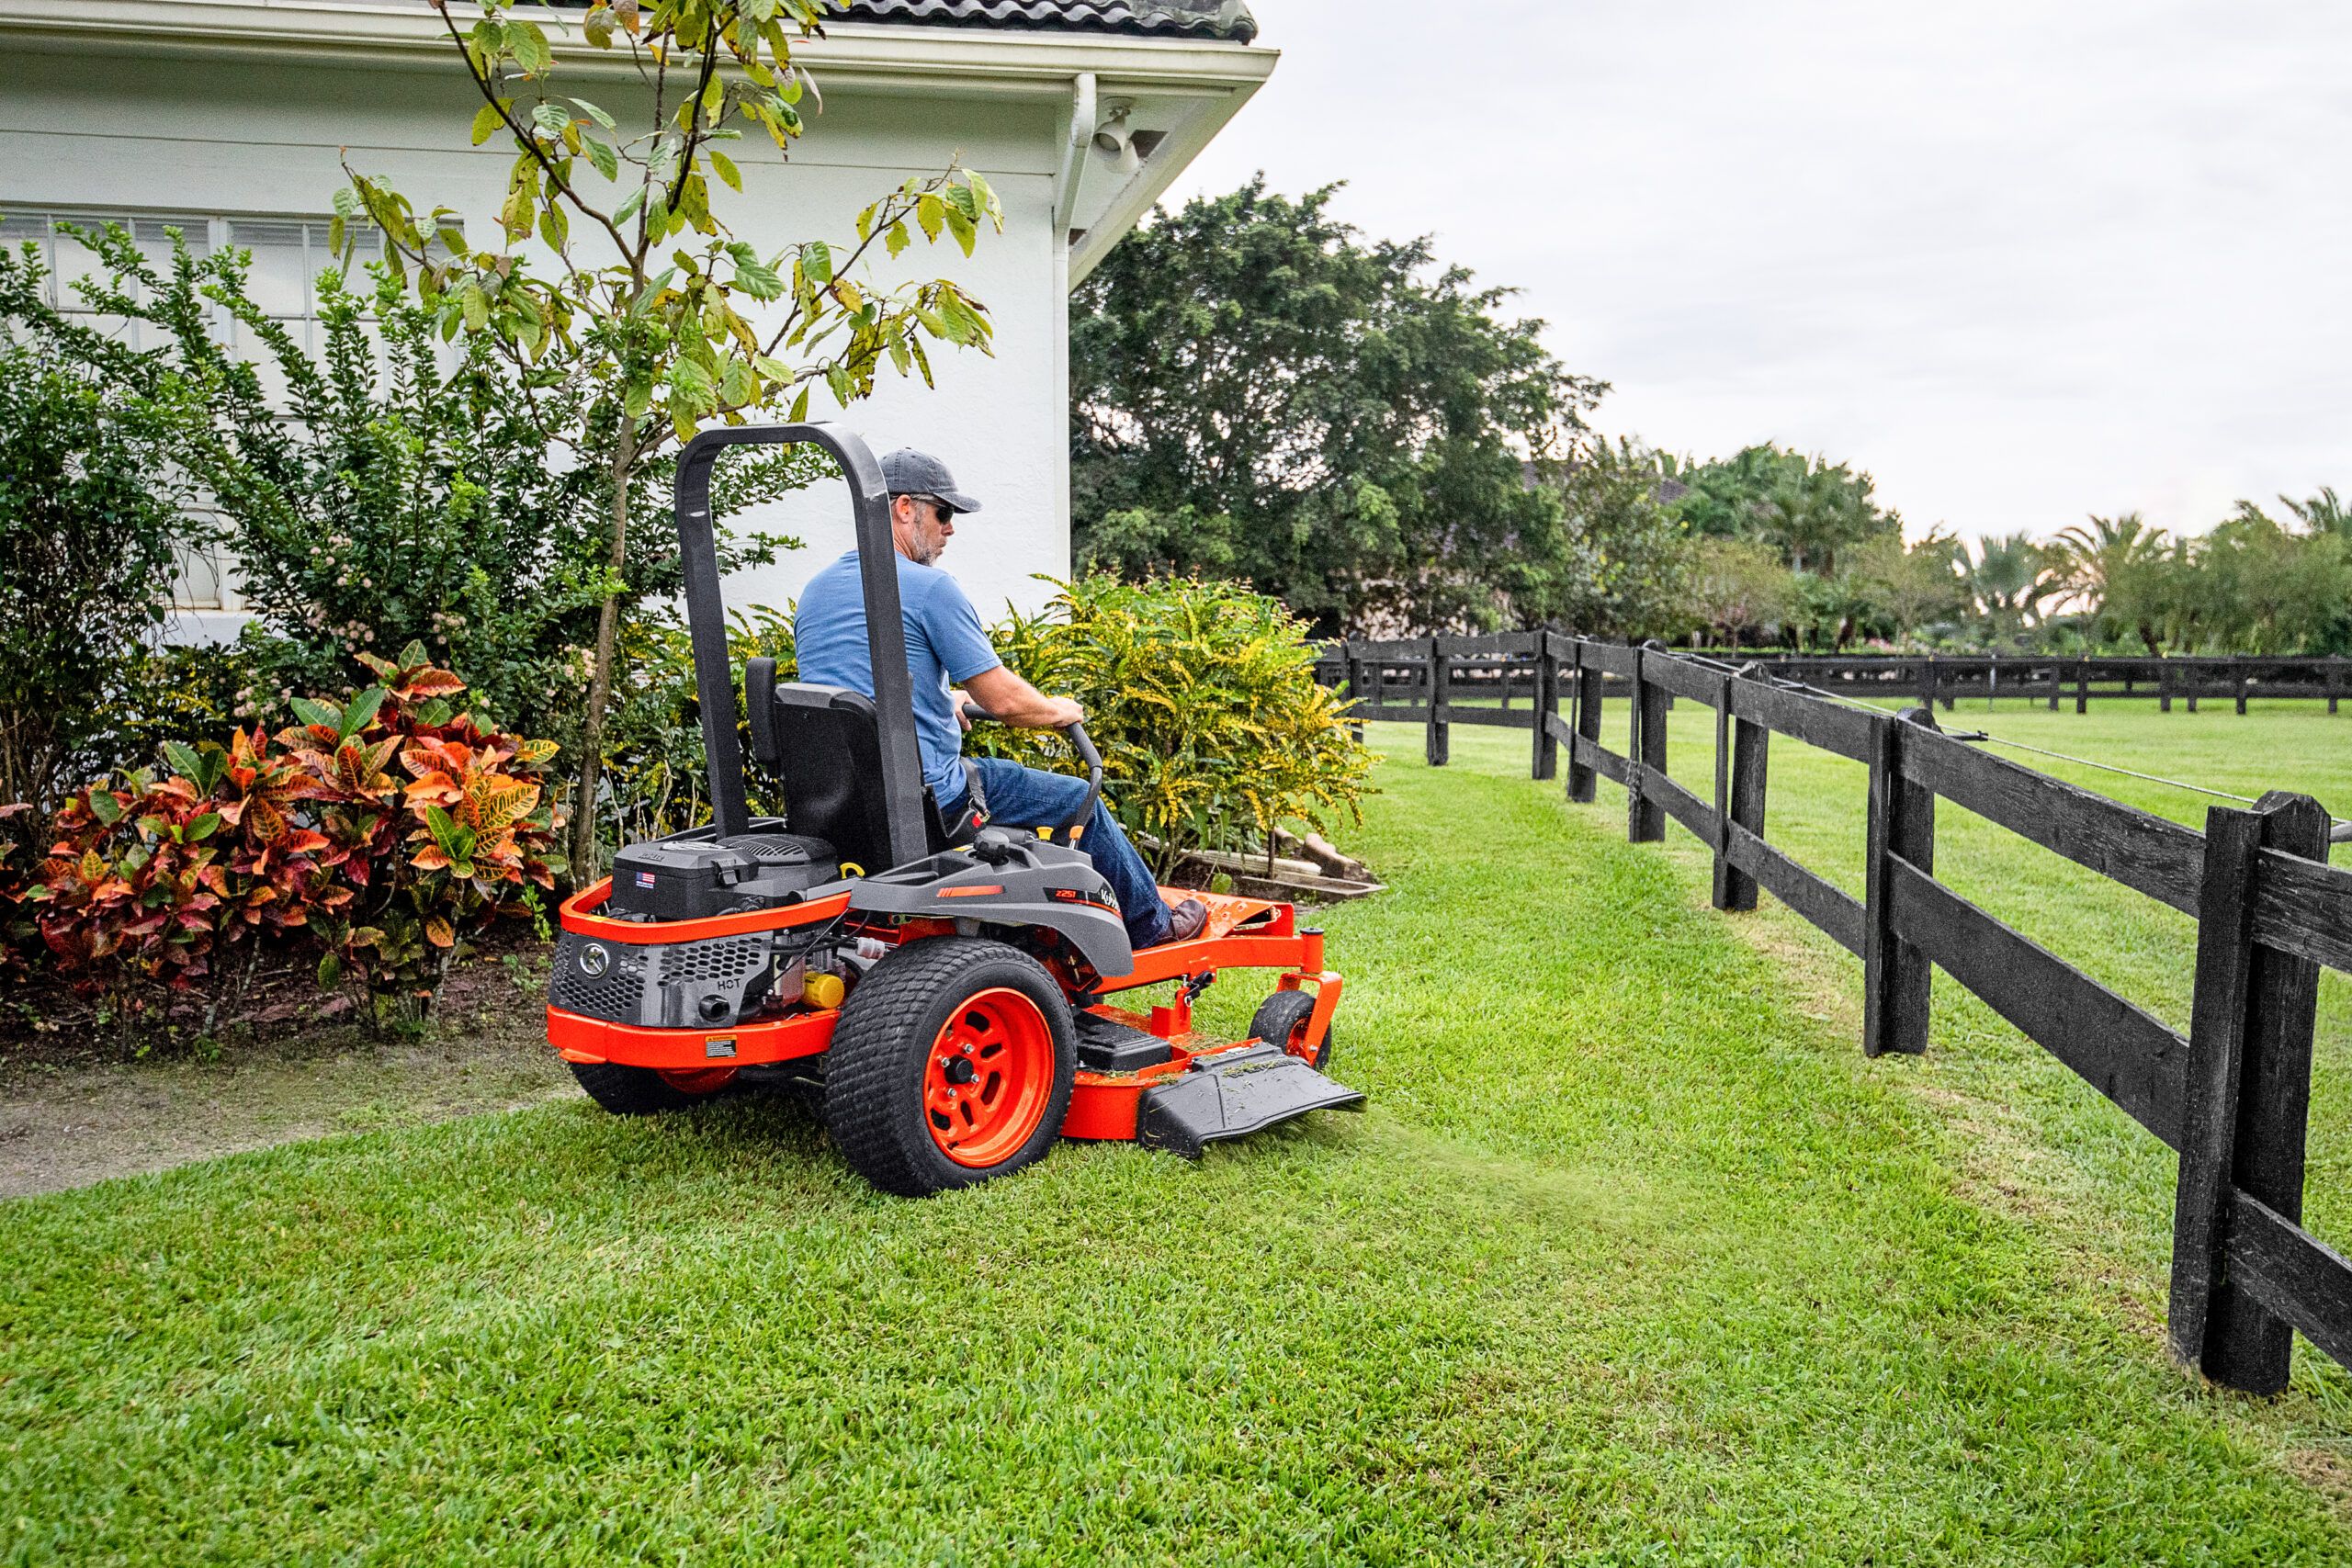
(1281, 1020)
(952, 1063)
(647, 1092)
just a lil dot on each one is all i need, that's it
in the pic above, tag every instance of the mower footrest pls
(1231, 1095)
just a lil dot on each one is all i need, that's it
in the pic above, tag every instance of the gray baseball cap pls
(910, 472)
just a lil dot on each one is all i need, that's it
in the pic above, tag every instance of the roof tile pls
(1228, 19)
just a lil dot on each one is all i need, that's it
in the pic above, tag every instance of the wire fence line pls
(2231, 1097)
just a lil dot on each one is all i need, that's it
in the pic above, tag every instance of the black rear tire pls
(878, 1065)
(634, 1091)
(1282, 1015)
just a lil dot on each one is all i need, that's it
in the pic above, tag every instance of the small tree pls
(585, 286)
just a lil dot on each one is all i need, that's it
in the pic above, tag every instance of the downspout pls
(1083, 115)
(1066, 183)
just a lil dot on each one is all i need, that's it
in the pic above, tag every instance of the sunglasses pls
(942, 508)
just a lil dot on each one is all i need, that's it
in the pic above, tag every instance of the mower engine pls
(709, 982)
(693, 877)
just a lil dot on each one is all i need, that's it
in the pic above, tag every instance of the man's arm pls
(1014, 701)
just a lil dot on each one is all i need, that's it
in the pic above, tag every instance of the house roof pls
(1227, 21)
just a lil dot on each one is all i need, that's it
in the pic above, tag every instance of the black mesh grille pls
(725, 958)
(615, 995)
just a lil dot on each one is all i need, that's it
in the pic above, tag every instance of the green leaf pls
(476, 305)
(104, 806)
(202, 828)
(487, 121)
(182, 758)
(550, 120)
(727, 170)
(930, 212)
(962, 228)
(985, 196)
(800, 406)
(816, 261)
(897, 239)
(738, 386)
(555, 228)
(530, 46)
(312, 712)
(758, 279)
(607, 161)
(330, 970)
(363, 709)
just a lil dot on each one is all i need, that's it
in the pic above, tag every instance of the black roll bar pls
(886, 637)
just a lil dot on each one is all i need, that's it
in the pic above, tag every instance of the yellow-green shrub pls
(1202, 700)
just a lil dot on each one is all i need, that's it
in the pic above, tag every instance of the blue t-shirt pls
(944, 646)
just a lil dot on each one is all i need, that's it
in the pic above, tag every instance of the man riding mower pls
(937, 975)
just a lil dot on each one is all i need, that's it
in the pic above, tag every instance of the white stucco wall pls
(251, 140)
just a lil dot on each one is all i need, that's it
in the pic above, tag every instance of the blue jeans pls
(1024, 797)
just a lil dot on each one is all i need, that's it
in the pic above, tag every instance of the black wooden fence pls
(1928, 679)
(2232, 1098)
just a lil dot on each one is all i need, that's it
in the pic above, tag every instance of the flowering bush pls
(307, 836)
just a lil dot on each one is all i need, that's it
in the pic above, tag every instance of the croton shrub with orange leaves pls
(383, 833)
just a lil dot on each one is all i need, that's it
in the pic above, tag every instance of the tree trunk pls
(584, 869)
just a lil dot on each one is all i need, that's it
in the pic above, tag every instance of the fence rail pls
(2231, 1097)
(1481, 668)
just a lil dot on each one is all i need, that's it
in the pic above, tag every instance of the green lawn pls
(1633, 1259)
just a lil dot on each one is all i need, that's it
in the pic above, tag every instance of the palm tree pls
(1812, 511)
(2112, 567)
(2011, 578)
(2322, 513)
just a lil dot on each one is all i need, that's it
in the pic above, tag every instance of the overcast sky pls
(2020, 262)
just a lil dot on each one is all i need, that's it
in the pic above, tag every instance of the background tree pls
(1808, 508)
(2116, 567)
(2011, 578)
(1625, 569)
(614, 279)
(1741, 591)
(1258, 392)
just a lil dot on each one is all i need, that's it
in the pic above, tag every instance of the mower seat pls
(825, 744)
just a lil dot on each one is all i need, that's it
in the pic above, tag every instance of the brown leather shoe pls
(1187, 920)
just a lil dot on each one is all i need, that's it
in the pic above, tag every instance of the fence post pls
(2057, 681)
(1740, 753)
(2244, 681)
(2335, 681)
(1645, 818)
(2164, 685)
(1896, 974)
(1582, 781)
(1927, 683)
(2083, 684)
(1436, 746)
(2196, 675)
(1545, 760)
(2247, 1106)
(1354, 655)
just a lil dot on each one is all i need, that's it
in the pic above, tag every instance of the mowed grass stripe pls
(1632, 1259)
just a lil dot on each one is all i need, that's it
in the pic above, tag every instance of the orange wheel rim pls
(697, 1080)
(988, 1078)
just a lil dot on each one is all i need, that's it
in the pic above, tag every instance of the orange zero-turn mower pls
(938, 984)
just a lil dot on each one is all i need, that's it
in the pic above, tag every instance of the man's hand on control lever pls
(1006, 697)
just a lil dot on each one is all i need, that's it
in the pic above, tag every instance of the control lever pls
(1076, 735)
